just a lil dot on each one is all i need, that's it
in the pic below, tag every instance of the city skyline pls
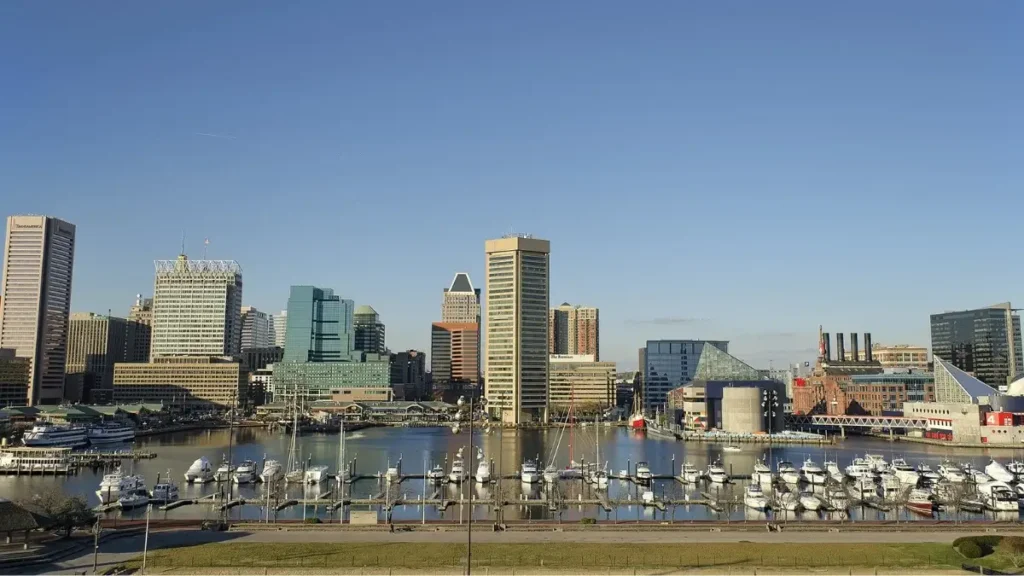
(724, 155)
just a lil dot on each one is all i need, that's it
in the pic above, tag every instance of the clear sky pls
(737, 170)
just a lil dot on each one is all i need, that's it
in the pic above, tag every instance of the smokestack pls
(856, 348)
(867, 347)
(828, 346)
(840, 348)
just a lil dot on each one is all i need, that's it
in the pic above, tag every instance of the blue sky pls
(738, 170)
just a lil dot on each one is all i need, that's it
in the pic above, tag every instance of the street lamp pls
(469, 523)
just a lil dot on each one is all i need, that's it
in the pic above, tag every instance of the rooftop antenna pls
(206, 244)
(182, 242)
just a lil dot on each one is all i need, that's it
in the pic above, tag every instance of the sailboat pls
(598, 474)
(293, 472)
(343, 474)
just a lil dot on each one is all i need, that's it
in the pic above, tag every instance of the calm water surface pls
(374, 449)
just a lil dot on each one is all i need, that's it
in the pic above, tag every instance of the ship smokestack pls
(855, 346)
(827, 338)
(840, 348)
(867, 347)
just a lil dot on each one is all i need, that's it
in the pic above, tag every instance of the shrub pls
(986, 543)
(588, 521)
(312, 520)
(970, 549)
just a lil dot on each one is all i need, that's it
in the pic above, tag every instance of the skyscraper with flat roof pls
(95, 343)
(257, 329)
(574, 330)
(368, 330)
(516, 357)
(280, 328)
(197, 308)
(140, 329)
(35, 300)
(319, 326)
(985, 342)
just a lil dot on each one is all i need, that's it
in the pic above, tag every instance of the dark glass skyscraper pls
(669, 364)
(319, 326)
(985, 342)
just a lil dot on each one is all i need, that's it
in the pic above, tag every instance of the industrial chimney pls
(855, 346)
(840, 348)
(828, 346)
(867, 347)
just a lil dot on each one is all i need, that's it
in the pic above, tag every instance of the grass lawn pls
(569, 556)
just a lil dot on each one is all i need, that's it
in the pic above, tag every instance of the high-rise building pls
(254, 359)
(985, 343)
(35, 300)
(14, 378)
(140, 329)
(455, 353)
(573, 330)
(516, 360)
(319, 326)
(280, 328)
(461, 302)
(368, 330)
(95, 343)
(320, 360)
(197, 308)
(181, 383)
(408, 370)
(668, 364)
(580, 381)
(257, 329)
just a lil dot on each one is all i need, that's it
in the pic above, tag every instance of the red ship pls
(637, 421)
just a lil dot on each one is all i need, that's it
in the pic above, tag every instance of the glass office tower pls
(985, 342)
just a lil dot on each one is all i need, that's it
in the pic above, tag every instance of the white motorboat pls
(877, 462)
(998, 497)
(951, 472)
(836, 498)
(716, 473)
(245, 473)
(927, 474)
(808, 501)
(115, 484)
(753, 497)
(458, 471)
(906, 473)
(272, 472)
(1016, 467)
(731, 449)
(999, 472)
(762, 474)
(860, 468)
(972, 474)
(813, 474)
(788, 501)
(133, 499)
(834, 472)
(863, 488)
(456, 428)
(436, 474)
(200, 472)
(921, 501)
(529, 473)
(890, 487)
(573, 471)
(788, 473)
(55, 435)
(164, 492)
(483, 469)
(689, 473)
(111, 433)
(224, 472)
(600, 477)
(647, 496)
(316, 475)
(643, 473)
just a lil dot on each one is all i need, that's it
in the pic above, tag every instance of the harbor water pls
(376, 449)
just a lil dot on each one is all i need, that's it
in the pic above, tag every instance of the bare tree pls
(1013, 548)
(67, 512)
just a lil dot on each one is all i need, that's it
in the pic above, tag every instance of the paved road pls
(123, 549)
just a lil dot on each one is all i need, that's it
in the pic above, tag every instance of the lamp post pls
(469, 520)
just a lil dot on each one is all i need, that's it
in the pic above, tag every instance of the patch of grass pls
(571, 555)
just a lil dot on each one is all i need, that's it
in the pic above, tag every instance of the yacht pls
(836, 498)
(164, 492)
(972, 474)
(813, 474)
(905, 472)
(316, 474)
(862, 488)
(245, 473)
(753, 497)
(458, 473)
(921, 501)
(834, 472)
(1016, 468)
(860, 468)
(808, 501)
(133, 499)
(789, 501)
(731, 449)
(999, 472)
(55, 435)
(788, 473)
(110, 433)
(889, 485)
(691, 475)
(200, 472)
(272, 472)
(951, 472)
(456, 428)
(877, 462)
(115, 484)
(436, 474)
(716, 473)
(643, 473)
(927, 474)
(998, 497)
(391, 474)
(529, 473)
(223, 473)
(482, 475)
(600, 477)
